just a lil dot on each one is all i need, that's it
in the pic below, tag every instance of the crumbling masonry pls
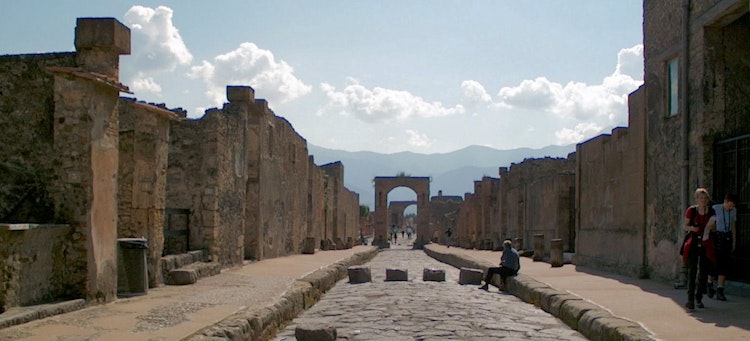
(83, 167)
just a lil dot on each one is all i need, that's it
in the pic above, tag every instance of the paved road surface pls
(418, 310)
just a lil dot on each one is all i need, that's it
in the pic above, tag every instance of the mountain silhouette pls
(454, 173)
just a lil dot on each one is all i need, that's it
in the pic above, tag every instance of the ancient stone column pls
(556, 253)
(538, 247)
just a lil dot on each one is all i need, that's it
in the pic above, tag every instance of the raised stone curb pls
(591, 320)
(263, 323)
(17, 316)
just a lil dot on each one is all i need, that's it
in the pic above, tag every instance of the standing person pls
(695, 253)
(510, 263)
(725, 240)
(448, 234)
(409, 232)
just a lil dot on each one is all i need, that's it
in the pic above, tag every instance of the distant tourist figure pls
(696, 253)
(448, 234)
(510, 263)
(402, 234)
(724, 235)
(409, 232)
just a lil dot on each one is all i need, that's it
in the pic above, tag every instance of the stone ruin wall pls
(535, 198)
(717, 101)
(466, 234)
(445, 211)
(611, 191)
(142, 178)
(62, 162)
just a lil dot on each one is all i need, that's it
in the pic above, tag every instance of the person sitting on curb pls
(510, 263)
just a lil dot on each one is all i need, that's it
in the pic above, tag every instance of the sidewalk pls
(177, 312)
(656, 306)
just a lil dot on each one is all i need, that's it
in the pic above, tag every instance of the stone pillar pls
(86, 144)
(518, 244)
(538, 247)
(556, 253)
(309, 247)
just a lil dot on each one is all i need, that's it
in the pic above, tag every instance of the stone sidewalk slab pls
(271, 287)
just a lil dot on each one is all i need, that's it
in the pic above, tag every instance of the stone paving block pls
(470, 276)
(359, 274)
(183, 276)
(396, 275)
(315, 333)
(433, 275)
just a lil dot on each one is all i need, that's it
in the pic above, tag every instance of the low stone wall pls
(591, 320)
(263, 323)
(35, 265)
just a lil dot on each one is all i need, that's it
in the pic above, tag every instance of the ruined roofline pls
(96, 77)
(158, 109)
(48, 55)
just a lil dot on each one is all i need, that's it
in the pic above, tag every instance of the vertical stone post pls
(538, 247)
(86, 144)
(518, 243)
(556, 253)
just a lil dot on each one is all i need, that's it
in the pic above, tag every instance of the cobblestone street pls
(418, 310)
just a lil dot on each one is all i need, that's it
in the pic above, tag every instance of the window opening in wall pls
(673, 86)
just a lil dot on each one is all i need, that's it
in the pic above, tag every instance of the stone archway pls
(420, 185)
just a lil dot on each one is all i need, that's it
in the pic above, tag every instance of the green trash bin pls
(132, 271)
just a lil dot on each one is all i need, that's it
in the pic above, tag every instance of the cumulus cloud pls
(156, 46)
(146, 84)
(474, 92)
(381, 105)
(418, 140)
(253, 66)
(577, 134)
(592, 107)
(156, 42)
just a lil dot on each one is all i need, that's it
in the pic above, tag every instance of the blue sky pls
(429, 76)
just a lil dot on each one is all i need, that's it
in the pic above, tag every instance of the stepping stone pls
(470, 276)
(396, 275)
(315, 333)
(359, 274)
(433, 275)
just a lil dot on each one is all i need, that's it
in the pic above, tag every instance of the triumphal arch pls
(383, 186)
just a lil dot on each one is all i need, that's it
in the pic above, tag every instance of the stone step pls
(190, 273)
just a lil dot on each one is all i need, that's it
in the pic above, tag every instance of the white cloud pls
(156, 42)
(145, 85)
(418, 140)
(253, 66)
(381, 105)
(474, 92)
(567, 136)
(591, 107)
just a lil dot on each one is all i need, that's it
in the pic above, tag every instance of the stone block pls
(556, 253)
(308, 247)
(470, 276)
(102, 33)
(359, 274)
(396, 275)
(240, 94)
(183, 276)
(309, 332)
(433, 275)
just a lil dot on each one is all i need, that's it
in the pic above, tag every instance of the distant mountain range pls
(454, 173)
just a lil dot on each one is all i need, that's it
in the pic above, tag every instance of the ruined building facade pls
(84, 168)
(626, 192)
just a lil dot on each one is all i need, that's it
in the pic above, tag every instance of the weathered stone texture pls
(536, 197)
(713, 108)
(611, 193)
